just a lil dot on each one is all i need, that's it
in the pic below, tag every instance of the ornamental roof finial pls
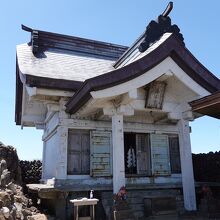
(156, 28)
(168, 9)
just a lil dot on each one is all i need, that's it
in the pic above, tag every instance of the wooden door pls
(78, 152)
(143, 154)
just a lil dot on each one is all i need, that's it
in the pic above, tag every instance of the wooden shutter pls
(160, 154)
(174, 154)
(143, 154)
(78, 152)
(74, 152)
(101, 153)
(85, 153)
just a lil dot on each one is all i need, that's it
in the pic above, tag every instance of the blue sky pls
(116, 21)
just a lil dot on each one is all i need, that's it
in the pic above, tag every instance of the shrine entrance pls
(130, 153)
(137, 154)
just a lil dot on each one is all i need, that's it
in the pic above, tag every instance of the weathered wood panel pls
(101, 153)
(160, 154)
(143, 154)
(74, 153)
(174, 154)
(78, 152)
(155, 95)
(85, 152)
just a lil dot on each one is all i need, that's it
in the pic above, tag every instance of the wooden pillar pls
(186, 166)
(61, 169)
(118, 152)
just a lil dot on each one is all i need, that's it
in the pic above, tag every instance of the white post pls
(61, 169)
(118, 152)
(43, 161)
(186, 166)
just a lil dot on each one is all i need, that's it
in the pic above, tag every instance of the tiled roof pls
(53, 63)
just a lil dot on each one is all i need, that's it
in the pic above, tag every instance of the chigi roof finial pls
(168, 9)
(156, 29)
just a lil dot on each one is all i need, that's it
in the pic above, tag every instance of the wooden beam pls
(133, 94)
(125, 110)
(34, 91)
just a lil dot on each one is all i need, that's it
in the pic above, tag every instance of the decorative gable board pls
(155, 95)
(101, 153)
(160, 154)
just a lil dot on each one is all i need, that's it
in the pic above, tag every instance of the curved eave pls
(40, 82)
(18, 98)
(209, 105)
(171, 47)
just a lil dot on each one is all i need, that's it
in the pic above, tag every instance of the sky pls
(115, 21)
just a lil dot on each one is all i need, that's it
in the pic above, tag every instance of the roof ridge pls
(42, 40)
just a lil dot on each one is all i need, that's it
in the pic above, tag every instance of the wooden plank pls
(101, 156)
(155, 95)
(174, 154)
(74, 153)
(78, 152)
(85, 153)
(160, 154)
(143, 154)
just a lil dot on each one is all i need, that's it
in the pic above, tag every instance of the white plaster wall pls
(50, 156)
(51, 125)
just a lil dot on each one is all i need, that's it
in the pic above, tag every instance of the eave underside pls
(209, 105)
(39, 82)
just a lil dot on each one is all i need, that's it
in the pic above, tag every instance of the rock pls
(18, 199)
(14, 205)
(9, 154)
(13, 212)
(11, 186)
(19, 215)
(26, 213)
(31, 171)
(37, 217)
(33, 209)
(6, 212)
(3, 165)
(1, 204)
(5, 175)
(5, 198)
(2, 216)
(18, 206)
